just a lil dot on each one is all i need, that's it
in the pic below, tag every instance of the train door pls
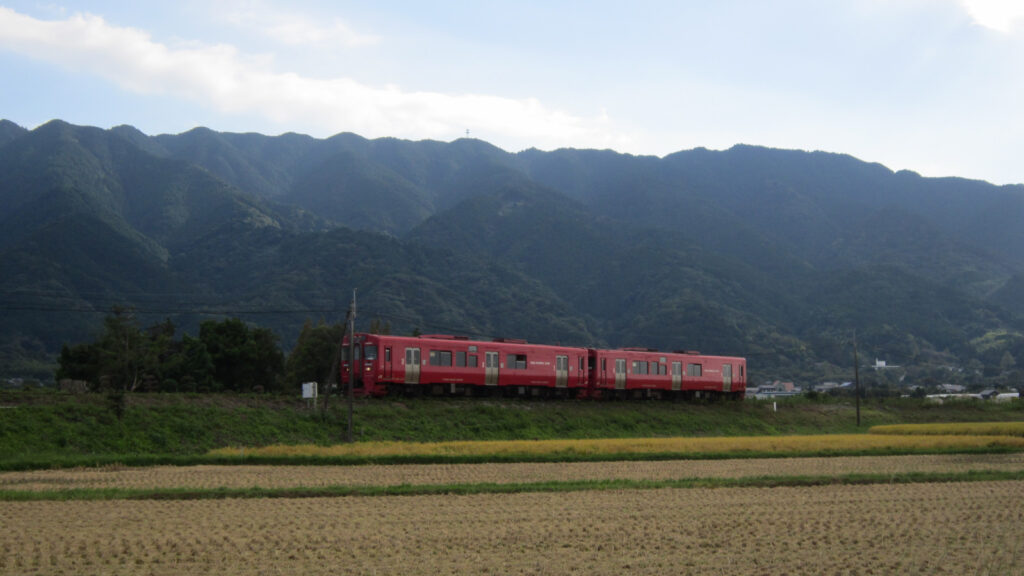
(677, 376)
(561, 371)
(490, 368)
(726, 377)
(412, 365)
(620, 373)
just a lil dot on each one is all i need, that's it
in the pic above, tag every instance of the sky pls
(933, 86)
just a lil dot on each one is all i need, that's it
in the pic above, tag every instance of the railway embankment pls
(47, 427)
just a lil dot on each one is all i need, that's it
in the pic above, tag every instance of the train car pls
(444, 364)
(642, 372)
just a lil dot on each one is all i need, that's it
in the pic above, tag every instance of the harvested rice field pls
(926, 529)
(275, 477)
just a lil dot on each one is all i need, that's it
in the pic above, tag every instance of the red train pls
(442, 364)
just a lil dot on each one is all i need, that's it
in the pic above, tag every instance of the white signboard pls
(309, 390)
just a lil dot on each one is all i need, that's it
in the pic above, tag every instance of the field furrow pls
(208, 477)
(940, 528)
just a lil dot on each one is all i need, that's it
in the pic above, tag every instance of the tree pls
(314, 357)
(188, 367)
(126, 353)
(1007, 362)
(269, 363)
(242, 359)
(227, 355)
(79, 362)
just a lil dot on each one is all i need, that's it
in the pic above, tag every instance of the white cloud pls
(221, 77)
(289, 27)
(1001, 15)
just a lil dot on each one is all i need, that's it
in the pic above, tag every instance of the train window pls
(742, 370)
(561, 363)
(517, 361)
(460, 358)
(387, 354)
(620, 365)
(694, 370)
(677, 368)
(440, 358)
(581, 363)
(639, 367)
(472, 348)
(371, 351)
(472, 360)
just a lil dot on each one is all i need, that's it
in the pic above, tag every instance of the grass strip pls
(141, 461)
(803, 444)
(510, 488)
(953, 429)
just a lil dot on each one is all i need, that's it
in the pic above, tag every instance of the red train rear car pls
(630, 372)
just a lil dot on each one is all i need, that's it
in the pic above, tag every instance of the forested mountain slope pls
(774, 254)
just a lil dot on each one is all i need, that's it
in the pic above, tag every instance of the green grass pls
(143, 460)
(493, 488)
(59, 429)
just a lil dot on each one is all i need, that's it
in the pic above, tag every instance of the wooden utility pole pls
(856, 376)
(353, 366)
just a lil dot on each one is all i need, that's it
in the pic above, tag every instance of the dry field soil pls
(926, 529)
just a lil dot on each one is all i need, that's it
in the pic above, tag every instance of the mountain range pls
(777, 255)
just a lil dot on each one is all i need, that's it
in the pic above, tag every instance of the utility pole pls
(856, 376)
(352, 362)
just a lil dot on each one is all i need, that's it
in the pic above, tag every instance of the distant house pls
(776, 389)
(830, 386)
(941, 398)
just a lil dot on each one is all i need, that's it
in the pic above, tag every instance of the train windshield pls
(370, 351)
(346, 352)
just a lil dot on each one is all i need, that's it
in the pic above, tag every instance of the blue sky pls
(934, 86)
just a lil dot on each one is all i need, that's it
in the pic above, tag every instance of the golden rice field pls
(909, 529)
(279, 477)
(609, 446)
(953, 428)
